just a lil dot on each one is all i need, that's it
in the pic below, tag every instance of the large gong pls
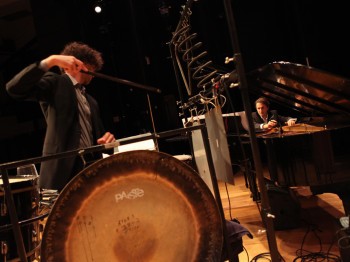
(134, 206)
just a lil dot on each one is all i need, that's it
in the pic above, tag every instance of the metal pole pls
(265, 211)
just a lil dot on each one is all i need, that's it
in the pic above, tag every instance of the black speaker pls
(284, 206)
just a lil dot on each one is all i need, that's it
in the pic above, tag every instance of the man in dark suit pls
(72, 116)
(264, 119)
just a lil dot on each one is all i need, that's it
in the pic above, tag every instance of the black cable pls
(246, 252)
(229, 201)
(318, 256)
(266, 256)
(304, 255)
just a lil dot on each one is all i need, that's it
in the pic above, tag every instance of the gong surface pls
(134, 206)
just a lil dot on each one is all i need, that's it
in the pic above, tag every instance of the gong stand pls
(266, 209)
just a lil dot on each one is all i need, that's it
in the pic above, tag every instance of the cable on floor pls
(265, 257)
(304, 255)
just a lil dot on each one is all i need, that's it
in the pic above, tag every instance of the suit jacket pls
(272, 115)
(57, 97)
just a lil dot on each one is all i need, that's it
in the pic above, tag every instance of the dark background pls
(133, 36)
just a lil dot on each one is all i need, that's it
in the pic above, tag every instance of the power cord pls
(304, 255)
(246, 252)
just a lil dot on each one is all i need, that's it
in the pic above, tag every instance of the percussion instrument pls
(26, 199)
(139, 205)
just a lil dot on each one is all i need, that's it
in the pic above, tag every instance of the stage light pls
(98, 9)
(98, 6)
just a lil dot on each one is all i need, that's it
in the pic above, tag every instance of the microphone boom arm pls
(122, 81)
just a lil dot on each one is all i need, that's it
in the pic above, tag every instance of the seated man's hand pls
(271, 124)
(291, 122)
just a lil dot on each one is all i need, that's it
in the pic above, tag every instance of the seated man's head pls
(262, 106)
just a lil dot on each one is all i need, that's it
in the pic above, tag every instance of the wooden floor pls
(318, 230)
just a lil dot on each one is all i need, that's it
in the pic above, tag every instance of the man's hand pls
(271, 124)
(107, 138)
(70, 64)
(291, 122)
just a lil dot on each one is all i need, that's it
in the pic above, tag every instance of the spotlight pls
(98, 6)
(98, 9)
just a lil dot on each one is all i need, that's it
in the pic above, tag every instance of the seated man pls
(264, 119)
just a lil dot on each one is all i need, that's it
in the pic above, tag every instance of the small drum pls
(26, 201)
(134, 206)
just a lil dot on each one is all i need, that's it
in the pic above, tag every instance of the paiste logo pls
(134, 193)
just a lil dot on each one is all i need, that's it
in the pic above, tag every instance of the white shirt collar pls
(74, 81)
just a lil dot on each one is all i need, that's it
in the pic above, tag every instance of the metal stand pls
(266, 215)
(13, 216)
(216, 192)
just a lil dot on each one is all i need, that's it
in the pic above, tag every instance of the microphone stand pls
(129, 83)
(265, 211)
